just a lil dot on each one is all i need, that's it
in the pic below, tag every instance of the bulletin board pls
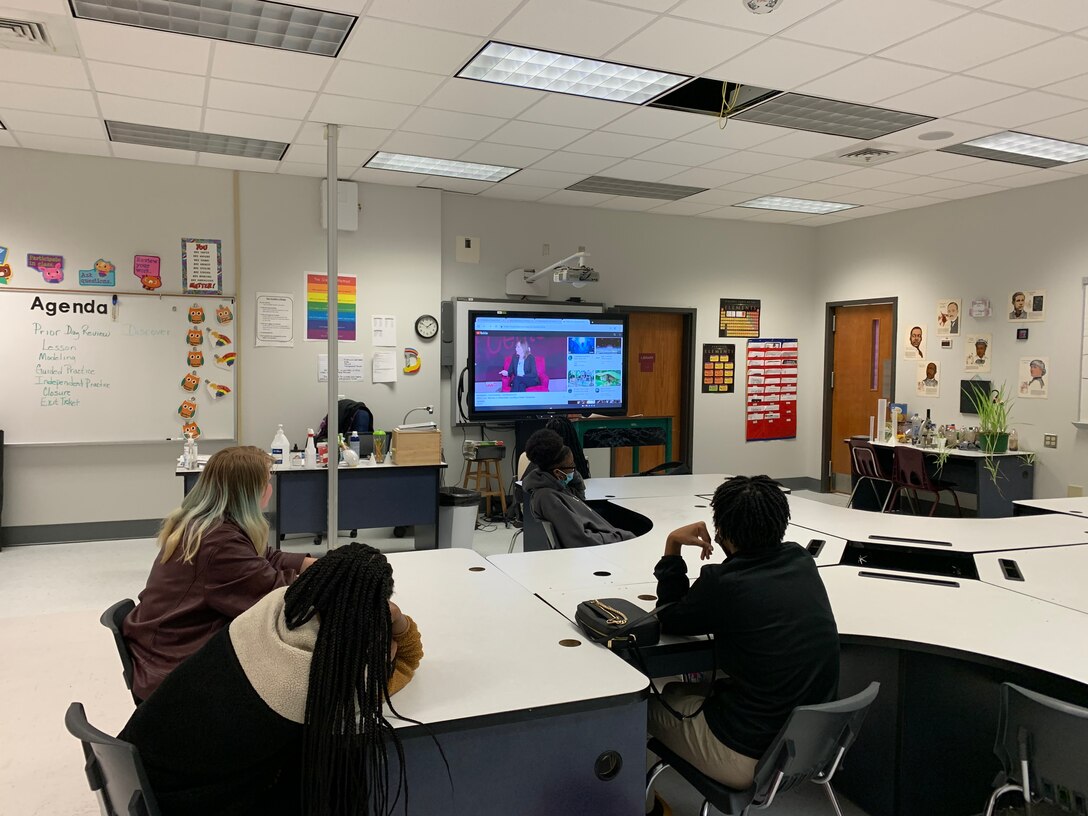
(771, 401)
(77, 370)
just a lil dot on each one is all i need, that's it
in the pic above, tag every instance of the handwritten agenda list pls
(61, 370)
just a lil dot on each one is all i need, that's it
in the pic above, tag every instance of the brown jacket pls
(183, 605)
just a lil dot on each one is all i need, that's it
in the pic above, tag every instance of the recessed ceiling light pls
(935, 135)
(801, 112)
(1022, 148)
(563, 73)
(250, 22)
(439, 167)
(801, 205)
(638, 189)
(130, 133)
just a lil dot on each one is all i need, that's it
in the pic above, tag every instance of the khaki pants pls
(692, 738)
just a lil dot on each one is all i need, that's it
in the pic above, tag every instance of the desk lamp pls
(428, 408)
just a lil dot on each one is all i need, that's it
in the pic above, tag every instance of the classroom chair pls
(665, 469)
(112, 619)
(866, 470)
(113, 767)
(1041, 744)
(909, 475)
(810, 747)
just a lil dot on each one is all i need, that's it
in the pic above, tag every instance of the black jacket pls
(576, 523)
(774, 635)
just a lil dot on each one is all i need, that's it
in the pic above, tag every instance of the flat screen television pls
(528, 364)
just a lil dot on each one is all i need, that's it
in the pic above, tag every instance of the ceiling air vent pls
(867, 156)
(24, 35)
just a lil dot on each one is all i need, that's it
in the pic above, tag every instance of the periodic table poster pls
(719, 360)
(738, 318)
(771, 402)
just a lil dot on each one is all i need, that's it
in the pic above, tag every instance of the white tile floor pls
(55, 652)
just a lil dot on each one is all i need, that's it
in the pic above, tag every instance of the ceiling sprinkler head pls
(761, 6)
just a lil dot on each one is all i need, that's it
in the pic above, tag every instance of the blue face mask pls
(567, 478)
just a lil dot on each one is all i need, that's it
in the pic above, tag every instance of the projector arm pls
(532, 276)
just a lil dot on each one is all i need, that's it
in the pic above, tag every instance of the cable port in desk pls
(905, 558)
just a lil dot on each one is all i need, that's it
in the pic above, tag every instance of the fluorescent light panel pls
(1022, 148)
(250, 22)
(801, 112)
(637, 189)
(801, 205)
(439, 167)
(562, 73)
(130, 133)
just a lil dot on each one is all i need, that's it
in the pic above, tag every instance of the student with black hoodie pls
(557, 494)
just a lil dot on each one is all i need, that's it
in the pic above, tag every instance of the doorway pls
(859, 369)
(660, 371)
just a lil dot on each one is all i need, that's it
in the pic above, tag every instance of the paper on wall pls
(384, 330)
(351, 368)
(275, 319)
(384, 365)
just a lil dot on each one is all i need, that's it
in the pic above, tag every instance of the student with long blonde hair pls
(213, 565)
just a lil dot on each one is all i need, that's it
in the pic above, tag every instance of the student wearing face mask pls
(557, 494)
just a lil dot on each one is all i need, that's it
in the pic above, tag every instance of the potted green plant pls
(993, 409)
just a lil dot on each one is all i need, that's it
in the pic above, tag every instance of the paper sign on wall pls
(350, 369)
(275, 319)
(738, 318)
(718, 368)
(148, 269)
(317, 306)
(202, 265)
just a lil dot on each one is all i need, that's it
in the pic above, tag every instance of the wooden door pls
(862, 374)
(655, 377)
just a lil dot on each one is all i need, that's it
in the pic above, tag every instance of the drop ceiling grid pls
(393, 86)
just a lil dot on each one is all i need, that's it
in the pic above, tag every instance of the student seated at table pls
(281, 712)
(213, 564)
(774, 632)
(557, 494)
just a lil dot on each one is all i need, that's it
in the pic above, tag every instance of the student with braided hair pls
(281, 713)
(774, 633)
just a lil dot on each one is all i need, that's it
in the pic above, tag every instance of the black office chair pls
(810, 746)
(112, 619)
(665, 469)
(1042, 744)
(113, 767)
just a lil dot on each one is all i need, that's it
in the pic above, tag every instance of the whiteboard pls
(76, 371)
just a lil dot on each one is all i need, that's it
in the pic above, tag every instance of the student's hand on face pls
(400, 623)
(691, 535)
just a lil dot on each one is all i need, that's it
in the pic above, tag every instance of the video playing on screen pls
(531, 363)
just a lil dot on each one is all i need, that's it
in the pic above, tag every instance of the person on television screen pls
(1018, 312)
(521, 367)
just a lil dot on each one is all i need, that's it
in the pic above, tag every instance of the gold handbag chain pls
(615, 617)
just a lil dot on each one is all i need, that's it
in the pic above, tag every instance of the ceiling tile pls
(575, 198)
(467, 16)
(52, 124)
(343, 110)
(1040, 65)
(574, 111)
(646, 5)
(142, 47)
(154, 154)
(504, 155)
(968, 191)
(770, 217)
(515, 192)
(949, 96)
(719, 197)
(576, 163)
(7, 139)
(289, 168)
(1030, 178)
(982, 171)
(684, 208)
(731, 213)
(392, 178)
(383, 42)
(270, 66)
(638, 170)
(349, 157)
(530, 134)
(579, 27)
(783, 65)
(682, 46)
(804, 145)
(760, 185)
(64, 144)
(701, 177)
(910, 202)
(127, 80)
(871, 177)
(1031, 106)
(735, 135)
(43, 69)
(868, 26)
(960, 132)
(1063, 15)
(546, 178)
(749, 162)
(381, 82)
(249, 125)
(472, 96)
(47, 99)
(613, 144)
(735, 15)
(810, 171)
(871, 80)
(419, 144)
(455, 185)
(365, 138)
(967, 42)
(866, 197)
(920, 185)
(687, 153)
(149, 112)
(451, 123)
(236, 163)
(656, 123)
(820, 191)
(629, 204)
(1078, 87)
(923, 164)
(1071, 127)
(265, 100)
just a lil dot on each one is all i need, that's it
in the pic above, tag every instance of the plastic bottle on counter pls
(187, 462)
(194, 455)
(1014, 440)
(309, 456)
(354, 443)
(281, 448)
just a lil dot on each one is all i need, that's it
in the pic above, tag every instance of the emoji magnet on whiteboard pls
(224, 315)
(196, 314)
(412, 361)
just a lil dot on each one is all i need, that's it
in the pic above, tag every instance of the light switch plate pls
(1050, 440)
(467, 250)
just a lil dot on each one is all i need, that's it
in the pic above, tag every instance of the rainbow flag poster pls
(317, 306)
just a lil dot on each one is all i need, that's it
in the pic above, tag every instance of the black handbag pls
(618, 624)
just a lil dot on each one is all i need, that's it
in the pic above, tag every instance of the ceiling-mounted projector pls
(761, 6)
(575, 275)
(572, 271)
